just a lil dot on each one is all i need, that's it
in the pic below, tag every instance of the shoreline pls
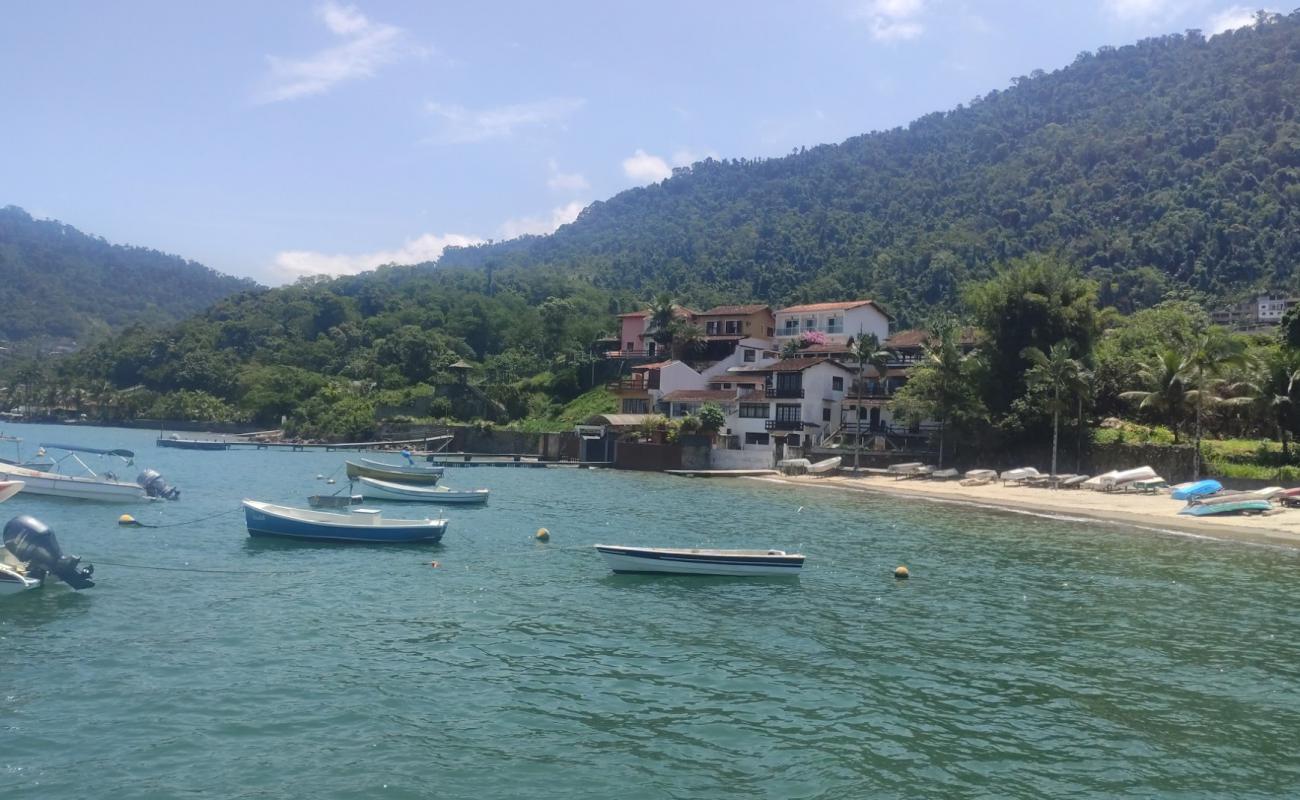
(1151, 513)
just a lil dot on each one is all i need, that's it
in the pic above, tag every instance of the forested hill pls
(1171, 163)
(61, 283)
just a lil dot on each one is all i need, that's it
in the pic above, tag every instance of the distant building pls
(1262, 311)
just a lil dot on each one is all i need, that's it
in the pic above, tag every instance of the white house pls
(797, 402)
(839, 321)
(640, 393)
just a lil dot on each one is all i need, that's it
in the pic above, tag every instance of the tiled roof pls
(825, 348)
(916, 337)
(697, 395)
(720, 311)
(841, 306)
(789, 365)
(656, 365)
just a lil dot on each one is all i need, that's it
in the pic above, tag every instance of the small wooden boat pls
(373, 489)
(678, 561)
(823, 467)
(1195, 489)
(361, 525)
(1237, 506)
(398, 473)
(335, 500)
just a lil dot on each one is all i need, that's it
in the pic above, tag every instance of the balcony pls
(628, 385)
(838, 328)
(783, 392)
(783, 425)
(646, 354)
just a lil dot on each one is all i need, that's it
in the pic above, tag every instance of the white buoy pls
(330, 481)
(320, 477)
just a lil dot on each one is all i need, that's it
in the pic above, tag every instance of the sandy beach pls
(1156, 512)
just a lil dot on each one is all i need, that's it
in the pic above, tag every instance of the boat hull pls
(1236, 507)
(194, 444)
(53, 485)
(373, 489)
(423, 477)
(283, 522)
(13, 581)
(632, 560)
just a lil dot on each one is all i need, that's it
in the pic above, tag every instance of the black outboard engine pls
(32, 541)
(154, 485)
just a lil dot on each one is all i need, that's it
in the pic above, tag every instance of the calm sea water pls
(1026, 658)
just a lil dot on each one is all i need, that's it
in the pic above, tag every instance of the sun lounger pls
(943, 474)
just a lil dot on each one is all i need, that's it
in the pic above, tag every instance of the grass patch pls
(562, 418)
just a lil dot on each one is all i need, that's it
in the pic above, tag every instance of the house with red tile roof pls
(837, 322)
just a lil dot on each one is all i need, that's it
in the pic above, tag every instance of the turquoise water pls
(1026, 658)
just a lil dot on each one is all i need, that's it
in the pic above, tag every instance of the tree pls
(942, 386)
(865, 349)
(1204, 363)
(687, 339)
(1031, 303)
(663, 313)
(1061, 376)
(1164, 395)
(711, 418)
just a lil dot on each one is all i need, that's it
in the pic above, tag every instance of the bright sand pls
(1152, 511)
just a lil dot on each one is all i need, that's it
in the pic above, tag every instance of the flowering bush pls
(814, 337)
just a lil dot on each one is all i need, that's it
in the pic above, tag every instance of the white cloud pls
(367, 47)
(293, 264)
(1230, 19)
(565, 181)
(1137, 10)
(893, 20)
(460, 125)
(645, 168)
(538, 226)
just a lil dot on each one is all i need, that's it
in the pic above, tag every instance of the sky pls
(277, 140)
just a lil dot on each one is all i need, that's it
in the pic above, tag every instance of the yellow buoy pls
(542, 535)
(901, 573)
(128, 520)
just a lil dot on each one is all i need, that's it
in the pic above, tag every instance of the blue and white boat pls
(1195, 489)
(374, 489)
(1237, 505)
(682, 561)
(360, 525)
(400, 473)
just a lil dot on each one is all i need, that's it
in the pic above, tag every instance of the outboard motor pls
(32, 541)
(153, 484)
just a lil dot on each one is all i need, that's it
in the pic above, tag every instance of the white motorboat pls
(14, 577)
(91, 486)
(375, 489)
(684, 561)
(54, 484)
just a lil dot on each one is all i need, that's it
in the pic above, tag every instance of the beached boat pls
(1117, 479)
(178, 443)
(373, 489)
(681, 561)
(1194, 489)
(823, 467)
(361, 525)
(1019, 475)
(1236, 506)
(398, 473)
(944, 474)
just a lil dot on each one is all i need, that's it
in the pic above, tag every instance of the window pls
(792, 439)
(733, 326)
(837, 384)
(683, 409)
(834, 325)
(788, 412)
(749, 356)
(753, 410)
(711, 328)
(726, 386)
(826, 415)
(756, 438)
(771, 332)
(791, 326)
(810, 323)
(632, 405)
(629, 346)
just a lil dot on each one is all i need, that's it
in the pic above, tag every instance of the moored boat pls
(374, 489)
(10, 488)
(335, 500)
(30, 552)
(692, 561)
(360, 525)
(75, 487)
(398, 473)
(178, 443)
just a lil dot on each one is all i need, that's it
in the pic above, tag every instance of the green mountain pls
(1171, 163)
(60, 283)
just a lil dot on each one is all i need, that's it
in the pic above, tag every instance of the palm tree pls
(866, 350)
(1165, 395)
(1207, 358)
(1060, 374)
(663, 312)
(940, 385)
(687, 338)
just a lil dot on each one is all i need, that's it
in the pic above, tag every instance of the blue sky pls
(280, 139)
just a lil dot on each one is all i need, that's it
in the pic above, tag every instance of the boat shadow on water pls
(41, 606)
(639, 581)
(264, 545)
